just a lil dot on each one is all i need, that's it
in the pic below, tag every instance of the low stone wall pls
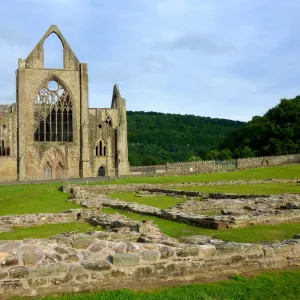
(86, 262)
(267, 161)
(28, 220)
(216, 166)
(123, 188)
(255, 211)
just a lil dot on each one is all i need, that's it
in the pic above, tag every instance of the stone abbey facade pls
(51, 133)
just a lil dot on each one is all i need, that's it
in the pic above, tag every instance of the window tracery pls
(53, 114)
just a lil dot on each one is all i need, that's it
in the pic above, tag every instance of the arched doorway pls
(59, 171)
(101, 171)
(47, 172)
(265, 163)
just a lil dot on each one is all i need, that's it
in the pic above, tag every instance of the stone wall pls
(7, 222)
(8, 168)
(267, 161)
(86, 262)
(216, 166)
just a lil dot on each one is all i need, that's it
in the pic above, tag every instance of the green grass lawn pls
(44, 231)
(162, 202)
(280, 172)
(244, 235)
(272, 188)
(271, 285)
(35, 198)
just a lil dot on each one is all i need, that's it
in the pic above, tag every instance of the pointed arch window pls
(101, 149)
(53, 114)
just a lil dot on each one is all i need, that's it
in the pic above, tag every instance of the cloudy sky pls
(227, 59)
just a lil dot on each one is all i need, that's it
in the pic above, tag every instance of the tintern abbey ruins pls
(51, 133)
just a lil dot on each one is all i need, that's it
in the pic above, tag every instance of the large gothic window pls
(53, 114)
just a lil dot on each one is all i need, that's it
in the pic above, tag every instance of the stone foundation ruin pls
(122, 252)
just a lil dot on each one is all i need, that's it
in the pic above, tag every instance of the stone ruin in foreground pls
(137, 254)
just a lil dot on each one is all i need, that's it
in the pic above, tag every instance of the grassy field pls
(272, 188)
(281, 172)
(35, 198)
(162, 202)
(275, 286)
(244, 235)
(46, 230)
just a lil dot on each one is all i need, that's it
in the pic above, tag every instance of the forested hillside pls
(157, 138)
(275, 133)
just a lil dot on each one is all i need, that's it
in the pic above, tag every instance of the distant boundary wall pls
(216, 166)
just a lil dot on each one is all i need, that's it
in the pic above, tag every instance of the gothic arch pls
(102, 171)
(55, 108)
(36, 57)
(53, 156)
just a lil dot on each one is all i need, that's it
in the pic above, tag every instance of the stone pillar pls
(21, 121)
(122, 164)
(85, 168)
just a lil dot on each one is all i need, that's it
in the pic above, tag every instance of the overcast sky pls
(227, 59)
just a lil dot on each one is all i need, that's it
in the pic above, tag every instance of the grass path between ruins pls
(162, 202)
(31, 199)
(256, 234)
(271, 285)
(45, 231)
(258, 189)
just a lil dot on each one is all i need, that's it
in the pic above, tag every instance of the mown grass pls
(46, 230)
(272, 188)
(162, 202)
(254, 234)
(280, 172)
(35, 198)
(271, 285)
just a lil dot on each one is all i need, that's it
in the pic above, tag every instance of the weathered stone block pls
(150, 255)
(61, 250)
(72, 257)
(207, 250)
(51, 270)
(31, 258)
(11, 284)
(166, 252)
(96, 265)
(97, 247)
(188, 251)
(7, 260)
(126, 260)
(18, 272)
(9, 246)
(82, 243)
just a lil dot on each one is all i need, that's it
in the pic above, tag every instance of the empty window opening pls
(101, 152)
(53, 52)
(101, 149)
(108, 121)
(4, 151)
(100, 126)
(53, 114)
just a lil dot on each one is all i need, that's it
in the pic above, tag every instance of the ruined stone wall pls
(267, 161)
(86, 262)
(8, 168)
(148, 170)
(216, 166)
